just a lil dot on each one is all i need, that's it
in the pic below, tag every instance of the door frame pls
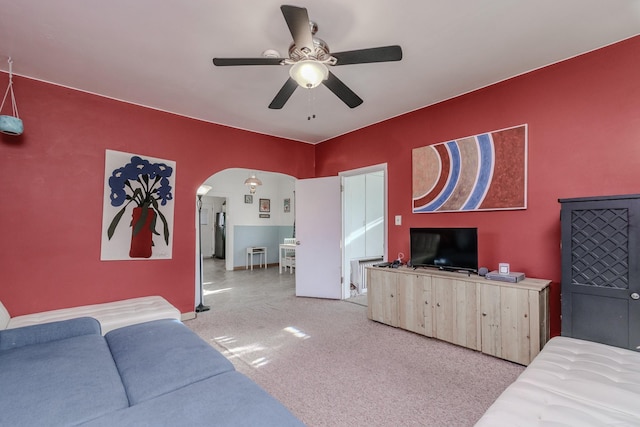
(381, 167)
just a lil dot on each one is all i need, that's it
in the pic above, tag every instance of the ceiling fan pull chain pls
(310, 104)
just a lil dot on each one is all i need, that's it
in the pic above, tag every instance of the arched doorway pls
(245, 223)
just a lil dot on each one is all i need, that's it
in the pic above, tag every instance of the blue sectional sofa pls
(157, 373)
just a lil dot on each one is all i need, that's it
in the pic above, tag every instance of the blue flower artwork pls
(143, 188)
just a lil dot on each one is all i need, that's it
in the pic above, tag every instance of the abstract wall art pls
(137, 218)
(487, 171)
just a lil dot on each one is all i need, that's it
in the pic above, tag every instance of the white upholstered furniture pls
(111, 315)
(572, 383)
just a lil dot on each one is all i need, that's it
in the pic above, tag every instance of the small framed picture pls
(287, 205)
(265, 205)
(248, 198)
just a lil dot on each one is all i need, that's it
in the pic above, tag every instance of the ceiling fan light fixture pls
(309, 73)
(309, 60)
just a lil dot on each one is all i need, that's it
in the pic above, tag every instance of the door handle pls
(635, 295)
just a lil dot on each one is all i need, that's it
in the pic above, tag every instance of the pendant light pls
(11, 125)
(252, 182)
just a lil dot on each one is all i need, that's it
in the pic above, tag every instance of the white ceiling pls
(159, 53)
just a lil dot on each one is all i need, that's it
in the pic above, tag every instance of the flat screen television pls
(445, 248)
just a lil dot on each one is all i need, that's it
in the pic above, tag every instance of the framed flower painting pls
(137, 215)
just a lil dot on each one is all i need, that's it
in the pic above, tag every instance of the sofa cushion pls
(61, 382)
(157, 357)
(228, 399)
(38, 334)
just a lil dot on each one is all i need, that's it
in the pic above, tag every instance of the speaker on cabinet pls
(482, 271)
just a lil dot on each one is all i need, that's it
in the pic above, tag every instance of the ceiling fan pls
(310, 57)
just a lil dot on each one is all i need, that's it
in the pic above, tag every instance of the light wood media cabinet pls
(506, 320)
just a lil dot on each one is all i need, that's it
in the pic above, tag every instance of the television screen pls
(445, 248)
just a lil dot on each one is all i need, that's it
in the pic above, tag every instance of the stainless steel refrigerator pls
(220, 235)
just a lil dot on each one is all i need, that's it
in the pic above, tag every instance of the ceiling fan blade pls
(225, 62)
(341, 90)
(374, 54)
(298, 22)
(284, 94)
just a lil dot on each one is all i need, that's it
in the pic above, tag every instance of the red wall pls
(584, 139)
(52, 179)
(583, 119)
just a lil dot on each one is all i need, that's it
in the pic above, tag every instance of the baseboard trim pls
(242, 267)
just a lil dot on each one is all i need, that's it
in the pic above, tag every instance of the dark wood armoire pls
(600, 288)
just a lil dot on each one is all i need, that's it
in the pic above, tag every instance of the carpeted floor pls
(331, 366)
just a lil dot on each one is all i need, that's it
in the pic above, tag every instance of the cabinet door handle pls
(635, 295)
(484, 314)
(438, 304)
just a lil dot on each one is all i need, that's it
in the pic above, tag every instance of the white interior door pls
(319, 234)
